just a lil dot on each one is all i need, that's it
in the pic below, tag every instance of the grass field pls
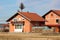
(29, 36)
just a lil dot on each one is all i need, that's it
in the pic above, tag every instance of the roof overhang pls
(49, 12)
(16, 15)
(57, 25)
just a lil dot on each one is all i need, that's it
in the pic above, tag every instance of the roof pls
(5, 25)
(57, 12)
(28, 15)
(53, 25)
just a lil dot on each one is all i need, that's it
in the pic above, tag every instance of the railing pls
(42, 27)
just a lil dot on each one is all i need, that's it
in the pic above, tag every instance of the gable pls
(51, 18)
(54, 11)
(51, 15)
(17, 16)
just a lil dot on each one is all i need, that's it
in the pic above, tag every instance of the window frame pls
(18, 26)
(15, 19)
(58, 21)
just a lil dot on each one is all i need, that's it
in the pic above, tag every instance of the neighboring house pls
(52, 20)
(24, 21)
(4, 28)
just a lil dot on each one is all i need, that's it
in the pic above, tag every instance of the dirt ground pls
(29, 36)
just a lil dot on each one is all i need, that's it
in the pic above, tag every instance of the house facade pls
(52, 20)
(4, 28)
(24, 22)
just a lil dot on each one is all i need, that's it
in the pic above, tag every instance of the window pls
(15, 19)
(18, 26)
(51, 14)
(57, 20)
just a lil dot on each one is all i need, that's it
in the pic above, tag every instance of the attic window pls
(51, 14)
(15, 19)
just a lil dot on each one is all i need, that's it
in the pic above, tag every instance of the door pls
(59, 29)
(18, 28)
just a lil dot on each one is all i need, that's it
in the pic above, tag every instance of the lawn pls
(29, 36)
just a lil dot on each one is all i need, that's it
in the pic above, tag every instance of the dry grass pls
(29, 36)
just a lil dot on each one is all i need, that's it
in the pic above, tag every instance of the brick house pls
(4, 28)
(24, 21)
(52, 20)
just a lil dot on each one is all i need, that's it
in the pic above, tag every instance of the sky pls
(9, 7)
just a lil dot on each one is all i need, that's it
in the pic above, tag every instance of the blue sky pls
(10, 7)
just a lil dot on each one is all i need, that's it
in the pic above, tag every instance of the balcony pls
(17, 22)
(38, 28)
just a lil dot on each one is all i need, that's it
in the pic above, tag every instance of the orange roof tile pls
(55, 11)
(30, 16)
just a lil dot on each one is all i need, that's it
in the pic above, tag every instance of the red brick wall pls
(26, 28)
(51, 20)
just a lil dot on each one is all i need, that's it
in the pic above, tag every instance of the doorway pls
(18, 27)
